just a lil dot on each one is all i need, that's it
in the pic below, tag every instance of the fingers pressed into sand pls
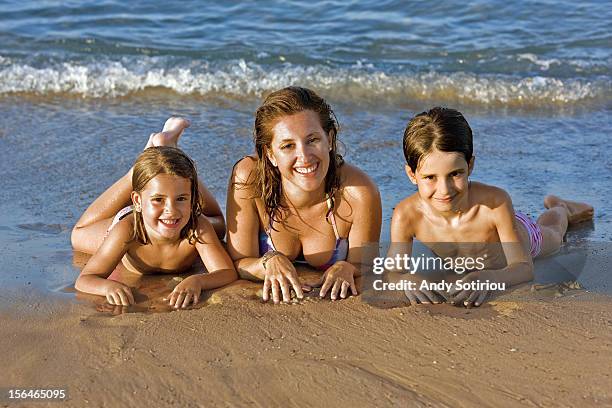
(336, 289)
(179, 300)
(469, 302)
(481, 298)
(411, 297)
(297, 286)
(354, 288)
(460, 297)
(265, 294)
(130, 295)
(286, 291)
(344, 289)
(432, 296)
(123, 298)
(422, 298)
(326, 285)
(188, 299)
(275, 291)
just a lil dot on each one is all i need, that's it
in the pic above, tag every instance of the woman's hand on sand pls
(280, 277)
(340, 278)
(468, 297)
(186, 293)
(118, 294)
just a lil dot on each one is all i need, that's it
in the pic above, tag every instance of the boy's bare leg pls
(555, 220)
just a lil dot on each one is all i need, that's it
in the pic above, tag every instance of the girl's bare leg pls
(90, 229)
(554, 221)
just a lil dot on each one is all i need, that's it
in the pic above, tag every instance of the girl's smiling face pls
(165, 204)
(442, 180)
(300, 150)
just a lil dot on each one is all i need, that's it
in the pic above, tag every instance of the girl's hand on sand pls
(185, 293)
(467, 296)
(340, 277)
(118, 294)
(425, 297)
(280, 277)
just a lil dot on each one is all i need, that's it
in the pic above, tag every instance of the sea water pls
(83, 84)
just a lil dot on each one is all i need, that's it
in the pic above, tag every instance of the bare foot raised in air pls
(169, 136)
(577, 212)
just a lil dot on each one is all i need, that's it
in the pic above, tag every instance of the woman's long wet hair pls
(172, 161)
(285, 102)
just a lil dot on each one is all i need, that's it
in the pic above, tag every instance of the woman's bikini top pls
(340, 251)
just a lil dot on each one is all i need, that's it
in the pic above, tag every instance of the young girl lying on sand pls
(163, 231)
(448, 208)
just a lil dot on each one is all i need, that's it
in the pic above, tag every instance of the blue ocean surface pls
(83, 84)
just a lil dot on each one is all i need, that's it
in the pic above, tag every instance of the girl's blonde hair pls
(172, 161)
(285, 102)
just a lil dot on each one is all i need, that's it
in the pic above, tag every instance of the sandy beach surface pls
(548, 347)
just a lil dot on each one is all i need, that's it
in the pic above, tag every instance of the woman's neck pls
(298, 198)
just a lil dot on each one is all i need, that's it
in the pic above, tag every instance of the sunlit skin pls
(442, 181)
(300, 150)
(165, 206)
(447, 208)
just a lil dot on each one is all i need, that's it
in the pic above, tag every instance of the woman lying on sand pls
(297, 200)
(459, 218)
(157, 218)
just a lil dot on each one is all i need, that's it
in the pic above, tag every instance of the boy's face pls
(165, 203)
(442, 180)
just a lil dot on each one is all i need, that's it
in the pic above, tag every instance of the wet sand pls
(536, 348)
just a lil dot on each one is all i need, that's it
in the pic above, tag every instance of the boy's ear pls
(270, 156)
(410, 174)
(137, 201)
(471, 165)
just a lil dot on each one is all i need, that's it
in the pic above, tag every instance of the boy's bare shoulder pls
(405, 210)
(488, 195)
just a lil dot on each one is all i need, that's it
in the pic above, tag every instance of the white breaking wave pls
(243, 80)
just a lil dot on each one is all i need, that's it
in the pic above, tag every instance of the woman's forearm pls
(250, 268)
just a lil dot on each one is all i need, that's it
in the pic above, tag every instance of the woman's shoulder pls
(243, 169)
(356, 182)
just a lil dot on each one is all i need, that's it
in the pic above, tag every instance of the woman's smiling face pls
(300, 150)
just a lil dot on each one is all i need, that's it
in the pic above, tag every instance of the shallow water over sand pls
(58, 154)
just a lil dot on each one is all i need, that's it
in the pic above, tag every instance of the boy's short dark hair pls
(439, 128)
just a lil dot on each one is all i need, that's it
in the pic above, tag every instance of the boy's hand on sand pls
(185, 293)
(280, 277)
(118, 294)
(426, 297)
(340, 277)
(467, 297)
